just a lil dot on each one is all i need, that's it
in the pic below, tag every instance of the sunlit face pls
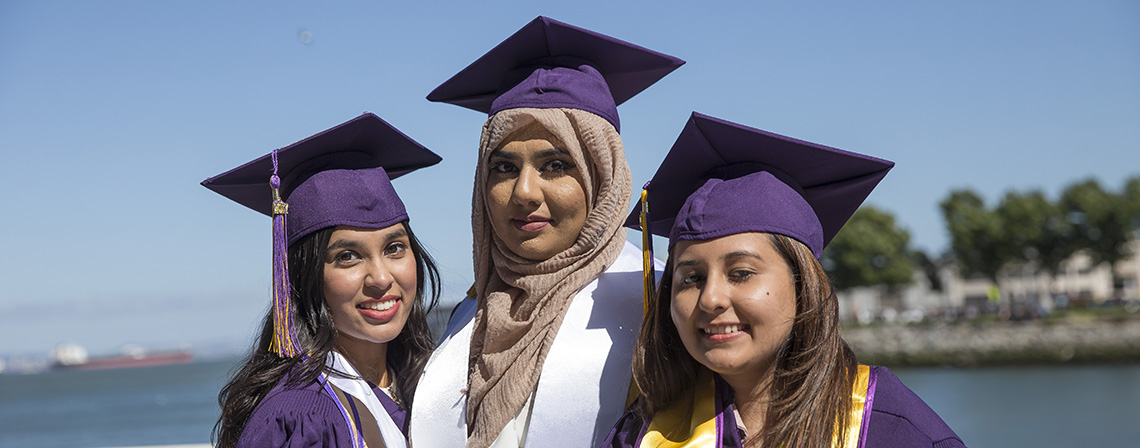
(733, 302)
(535, 196)
(369, 282)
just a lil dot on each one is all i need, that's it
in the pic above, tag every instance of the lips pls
(381, 310)
(530, 223)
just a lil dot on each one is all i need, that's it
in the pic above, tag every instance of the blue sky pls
(111, 112)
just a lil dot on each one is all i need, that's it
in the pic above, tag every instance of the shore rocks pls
(998, 343)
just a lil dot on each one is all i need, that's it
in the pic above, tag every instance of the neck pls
(752, 395)
(370, 359)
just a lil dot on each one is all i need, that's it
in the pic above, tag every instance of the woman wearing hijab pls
(741, 345)
(539, 354)
(341, 351)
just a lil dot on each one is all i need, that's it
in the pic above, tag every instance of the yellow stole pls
(692, 421)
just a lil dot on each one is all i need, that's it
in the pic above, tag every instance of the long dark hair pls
(811, 389)
(262, 370)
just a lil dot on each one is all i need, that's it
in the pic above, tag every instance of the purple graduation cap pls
(550, 64)
(721, 178)
(341, 176)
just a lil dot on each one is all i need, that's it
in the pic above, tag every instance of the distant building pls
(1024, 287)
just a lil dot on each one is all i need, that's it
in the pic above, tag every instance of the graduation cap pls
(550, 64)
(721, 178)
(341, 176)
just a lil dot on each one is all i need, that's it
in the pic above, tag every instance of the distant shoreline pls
(1071, 341)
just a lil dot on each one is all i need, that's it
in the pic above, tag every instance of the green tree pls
(870, 250)
(1132, 203)
(929, 267)
(976, 236)
(1101, 220)
(1037, 230)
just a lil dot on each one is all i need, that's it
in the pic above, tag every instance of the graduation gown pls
(584, 384)
(892, 416)
(305, 415)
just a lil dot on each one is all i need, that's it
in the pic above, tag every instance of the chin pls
(534, 250)
(724, 366)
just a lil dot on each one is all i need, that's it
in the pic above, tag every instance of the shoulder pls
(630, 260)
(900, 418)
(627, 431)
(295, 416)
(462, 314)
(624, 277)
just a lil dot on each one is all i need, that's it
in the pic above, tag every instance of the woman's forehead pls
(754, 244)
(531, 131)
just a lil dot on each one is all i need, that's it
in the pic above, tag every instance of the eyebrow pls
(342, 244)
(512, 155)
(741, 254)
(346, 243)
(728, 256)
(686, 263)
(399, 232)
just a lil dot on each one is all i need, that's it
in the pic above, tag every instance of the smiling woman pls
(741, 345)
(369, 275)
(341, 351)
(734, 302)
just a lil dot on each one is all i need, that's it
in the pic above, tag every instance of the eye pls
(502, 167)
(740, 275)
(691, 278)
(557, 166)
(346, 257)
(396, 249)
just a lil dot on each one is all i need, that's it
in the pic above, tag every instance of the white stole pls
(585, 379)
(360, 389)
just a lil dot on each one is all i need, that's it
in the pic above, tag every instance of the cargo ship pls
(74, 357)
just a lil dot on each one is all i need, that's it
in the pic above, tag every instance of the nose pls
(714, 296)
(378, 277)
(527, 189)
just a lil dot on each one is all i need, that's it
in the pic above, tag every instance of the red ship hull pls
(126, 362)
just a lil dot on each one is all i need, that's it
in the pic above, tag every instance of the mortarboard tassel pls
(646, 251)
(284, 343)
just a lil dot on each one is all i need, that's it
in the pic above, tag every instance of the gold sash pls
(693, 422)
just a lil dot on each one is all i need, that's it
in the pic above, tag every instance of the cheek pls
(498, 194)
(680, 312)
(569, 200)
(404, 272)
(334, 286)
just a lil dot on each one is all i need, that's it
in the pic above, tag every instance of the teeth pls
(723, 329)
(379, 306)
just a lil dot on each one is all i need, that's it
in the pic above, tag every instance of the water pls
(1062, 406)
(174, 404)
(992, 407)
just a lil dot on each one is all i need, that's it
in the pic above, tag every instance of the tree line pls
(1023, 227)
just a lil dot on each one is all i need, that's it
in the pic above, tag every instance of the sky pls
(112, 112)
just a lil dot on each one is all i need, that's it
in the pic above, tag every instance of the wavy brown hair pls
(261, 370)
(815, 369)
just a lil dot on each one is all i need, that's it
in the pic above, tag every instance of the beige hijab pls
(521, 302)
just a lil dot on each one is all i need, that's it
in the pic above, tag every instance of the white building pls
(1021, 285)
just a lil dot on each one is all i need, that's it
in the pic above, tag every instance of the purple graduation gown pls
(305, 416)
(898, 418)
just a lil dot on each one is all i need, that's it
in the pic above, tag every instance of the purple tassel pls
(284, 343)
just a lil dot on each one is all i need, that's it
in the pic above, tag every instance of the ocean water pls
(991, 407)
(174, 404)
